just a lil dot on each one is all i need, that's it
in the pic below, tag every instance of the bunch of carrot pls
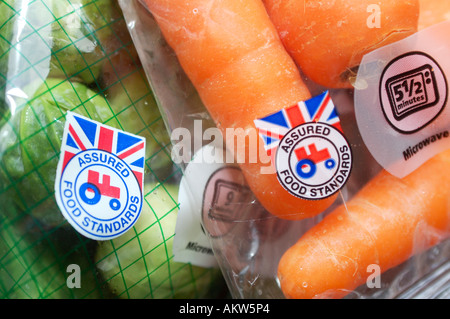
(242, 57)
(390, 219)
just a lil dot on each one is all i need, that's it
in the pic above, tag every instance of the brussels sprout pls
(139, 264)
(31, 142)
(71, 31)
(77, 36)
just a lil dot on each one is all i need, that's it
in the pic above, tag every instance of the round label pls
(413, 91)
(100, 195)
(313, 160)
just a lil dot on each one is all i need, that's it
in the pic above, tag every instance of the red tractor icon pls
(306, 167)
(105, 188)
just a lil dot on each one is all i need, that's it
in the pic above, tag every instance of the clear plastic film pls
(248, 241)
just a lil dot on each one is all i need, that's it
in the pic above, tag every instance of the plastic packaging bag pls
(248, 241)
(77, 56)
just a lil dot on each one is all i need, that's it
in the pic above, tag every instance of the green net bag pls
(77, 56)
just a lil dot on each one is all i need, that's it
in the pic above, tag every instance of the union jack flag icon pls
(84, 134)
(274, 127)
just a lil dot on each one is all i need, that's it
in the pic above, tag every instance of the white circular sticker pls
(413, 91)
(100, 195)
(313, 160)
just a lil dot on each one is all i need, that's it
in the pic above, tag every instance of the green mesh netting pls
(77, 55)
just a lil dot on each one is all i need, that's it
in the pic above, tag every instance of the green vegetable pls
(77, 55)
(139, 264)
(32, 128)
(31, 142)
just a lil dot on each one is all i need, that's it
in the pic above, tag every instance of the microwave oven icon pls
(412, 91)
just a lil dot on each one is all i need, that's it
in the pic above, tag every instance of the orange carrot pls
(231, 52)
(433, 12)
(386, 223)
(328, 39)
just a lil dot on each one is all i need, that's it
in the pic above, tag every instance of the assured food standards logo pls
(312, 157)
(99, 181)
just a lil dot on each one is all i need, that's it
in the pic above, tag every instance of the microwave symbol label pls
(413, 91)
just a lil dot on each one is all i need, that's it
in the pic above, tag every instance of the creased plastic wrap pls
(77, 56)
